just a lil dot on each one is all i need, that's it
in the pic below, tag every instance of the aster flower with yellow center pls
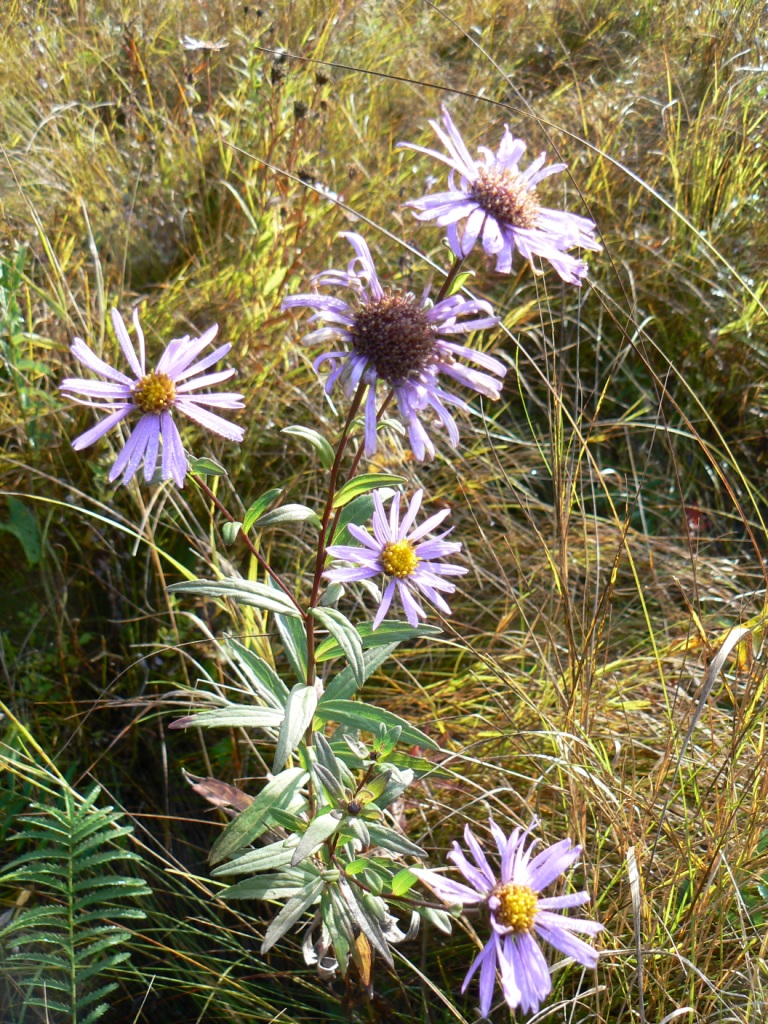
(406, 559)
(500, 205)
(518, 914)
(403, 341)
(172, 385)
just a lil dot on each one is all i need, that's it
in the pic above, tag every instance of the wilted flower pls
(154, 395)
(395, 552)
(517, 914)
(399, 339)
(500, 205)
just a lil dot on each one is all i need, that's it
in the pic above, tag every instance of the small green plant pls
(59, 950)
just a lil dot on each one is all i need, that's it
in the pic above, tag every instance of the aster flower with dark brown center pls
(500, 206)
(402, 340)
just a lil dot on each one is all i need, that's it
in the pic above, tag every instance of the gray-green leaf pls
(254, 820)
(291, 913)
(318, 442)
(339, 626)
(299, 711)
(320, 828)
(246, 592)
(358, 715)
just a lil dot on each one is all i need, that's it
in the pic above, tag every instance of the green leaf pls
(361, 912)
(294, 643)
(247, 592)
(402, 882)
(358, 512)
(339, 626)
(358, 715)
(388, 632)
(318, 442)
(291, 913)
(254, 820)
(23, 525)
(299, 711)
(286, 514)
(260, 675)
(320, 829)
(390, 840)
(276, 855)
(206, 467)
(235, 716)
(345, 684)
(230, 531)
(259, 506)
(459, 281)
(362, 484)
(279, 885)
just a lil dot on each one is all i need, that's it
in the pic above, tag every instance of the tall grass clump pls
(198, 661)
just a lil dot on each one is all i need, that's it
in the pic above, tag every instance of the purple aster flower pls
(397, 553)
(403, 341)
(154, 394)
(517, 913)
(501, 207)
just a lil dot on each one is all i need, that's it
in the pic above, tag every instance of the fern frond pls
(65, 945)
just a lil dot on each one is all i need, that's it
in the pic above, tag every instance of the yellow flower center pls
(399, 559)
(155, 392)
(518, 907)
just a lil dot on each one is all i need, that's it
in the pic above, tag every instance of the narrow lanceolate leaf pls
(236, 716)
(299, 711)
(247, 826)
(260, 506)
(261, 677)
(274, 885)
(317, 441)
(276, 855)
(320, 829)
(291, 913)
(345, 684)
(365, 919)
(358, 715)
(389, 631)
(362, 484)
(246, 592)
(285, 514)
(390, 840)
(295, 644)
(332, 787)
(348, 638)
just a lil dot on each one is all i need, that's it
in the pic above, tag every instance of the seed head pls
(396, 336)
(507, 197)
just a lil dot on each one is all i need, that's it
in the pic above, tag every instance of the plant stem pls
(450, 278)
(309, 621)
(249, 543)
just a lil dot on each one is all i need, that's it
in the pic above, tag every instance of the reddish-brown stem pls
(449, 278)
(309, 622)
(357, 458)
(249, 543)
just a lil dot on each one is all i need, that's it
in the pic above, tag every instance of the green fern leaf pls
(61, 949)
